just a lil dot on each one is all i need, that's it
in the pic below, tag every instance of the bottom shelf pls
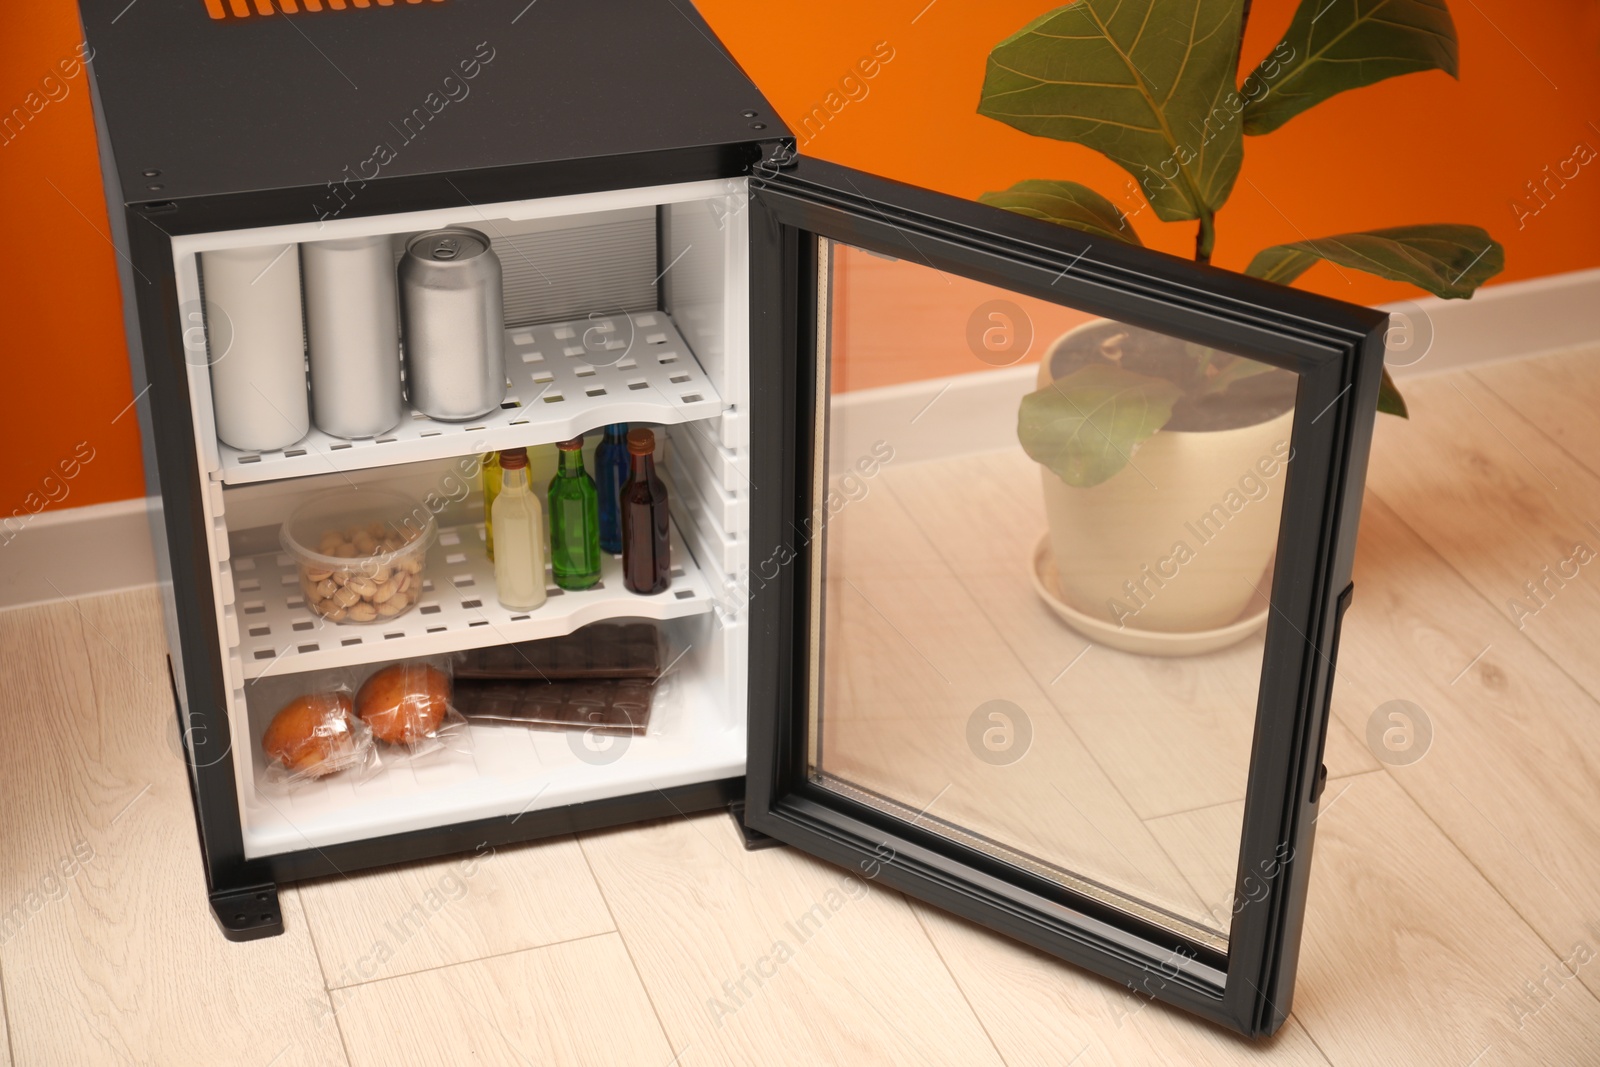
(496, 770)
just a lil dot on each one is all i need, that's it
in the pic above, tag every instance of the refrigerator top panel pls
(213, 97)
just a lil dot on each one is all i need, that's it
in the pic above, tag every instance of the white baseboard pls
(967, 413)
(105, 548)
(76, 552)
(1503, 322)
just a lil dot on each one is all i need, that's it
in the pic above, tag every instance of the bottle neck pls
(617, 433)
(643, 466)
(514, 479)
(571, 463)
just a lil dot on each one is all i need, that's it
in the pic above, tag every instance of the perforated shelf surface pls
(279, 634)
(565, 378)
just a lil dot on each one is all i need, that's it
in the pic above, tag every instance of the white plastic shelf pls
(279, 634)
(566, 378)
(496, 770)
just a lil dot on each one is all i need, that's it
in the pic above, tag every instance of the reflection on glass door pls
(1041, 588)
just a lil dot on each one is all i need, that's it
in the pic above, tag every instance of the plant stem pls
(1244, 22)
(1205, 238)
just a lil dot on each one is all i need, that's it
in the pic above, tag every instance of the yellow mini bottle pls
(519, 520)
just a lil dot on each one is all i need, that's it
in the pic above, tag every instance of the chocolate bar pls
(617, 706)
(602, 650)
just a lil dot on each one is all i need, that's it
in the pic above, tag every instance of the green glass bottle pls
(491, 489)
(574, 521)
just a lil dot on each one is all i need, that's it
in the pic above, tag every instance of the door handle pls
(1320, 779)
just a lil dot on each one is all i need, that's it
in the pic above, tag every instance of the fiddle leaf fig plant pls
(1347, 44)
(1447, 260)
(1134, 81)
(1066, 204)
(1078, 430)
(1151, 85)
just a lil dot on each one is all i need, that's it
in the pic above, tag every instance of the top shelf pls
(565, 378)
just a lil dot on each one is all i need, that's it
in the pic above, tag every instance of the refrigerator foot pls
(753, 839)
(249, 913)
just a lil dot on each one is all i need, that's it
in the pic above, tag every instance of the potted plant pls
(1141, 436)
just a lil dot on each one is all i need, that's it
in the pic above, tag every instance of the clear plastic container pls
(360, 553)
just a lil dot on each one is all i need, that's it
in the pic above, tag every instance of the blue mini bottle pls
(611, 468)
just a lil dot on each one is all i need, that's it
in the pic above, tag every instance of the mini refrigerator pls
(1006, 561)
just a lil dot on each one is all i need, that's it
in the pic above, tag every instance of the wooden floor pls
(1454, 916)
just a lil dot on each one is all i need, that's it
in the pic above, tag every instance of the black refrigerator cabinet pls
(1007, 562)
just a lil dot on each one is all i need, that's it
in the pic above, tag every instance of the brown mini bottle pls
(646, 550)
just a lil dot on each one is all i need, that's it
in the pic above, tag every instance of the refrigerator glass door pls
(1043, 624)
(1066, 535)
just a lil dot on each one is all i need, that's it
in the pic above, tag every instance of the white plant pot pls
(1179, 540)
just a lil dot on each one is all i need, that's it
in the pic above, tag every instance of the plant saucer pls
(1140, 642)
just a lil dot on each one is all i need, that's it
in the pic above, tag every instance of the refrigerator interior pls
(621, 306)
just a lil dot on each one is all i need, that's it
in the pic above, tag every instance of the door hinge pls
(775, 156)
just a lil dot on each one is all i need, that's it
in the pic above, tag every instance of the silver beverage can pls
(354, 335)
(454, 324)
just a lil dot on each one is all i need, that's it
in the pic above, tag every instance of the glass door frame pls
(1337, 351)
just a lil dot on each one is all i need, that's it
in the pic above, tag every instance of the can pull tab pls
(447, 248)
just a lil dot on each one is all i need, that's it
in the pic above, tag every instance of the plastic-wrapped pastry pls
(316, 734)
(408, 703)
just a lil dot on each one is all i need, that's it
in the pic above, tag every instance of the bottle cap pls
(641, 442)
(573, 445)
(513, 459)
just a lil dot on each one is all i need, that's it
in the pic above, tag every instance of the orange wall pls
(65, 381)
(1414, 149)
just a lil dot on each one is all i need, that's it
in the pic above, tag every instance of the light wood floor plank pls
(913, 655)
(1193, 839)
(575, 1003)
(392, 921)
(126, 964)
(1512, 773)
(1488, 491)
(772, 957)
(1043, 1013)
(5, 1036)
(1560, 394)
(1173, 734)
(1409, 956)
(1444, 896)
(1437, 991)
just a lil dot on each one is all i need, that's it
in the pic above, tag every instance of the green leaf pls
(1147, 82)
(1065, 204)
(1334, 45)
(1446, 259)
(1390, 402)
(1233, 369)
(1084, 426)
